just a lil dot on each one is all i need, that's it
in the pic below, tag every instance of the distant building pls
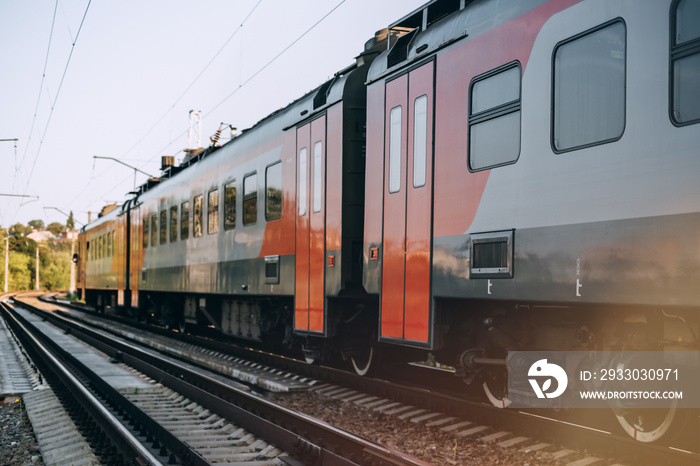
(40, 236)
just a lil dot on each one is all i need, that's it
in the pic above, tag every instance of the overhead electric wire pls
(253, 76)
(38, 98)
(58, 92)
(195, 79)
(256, 73)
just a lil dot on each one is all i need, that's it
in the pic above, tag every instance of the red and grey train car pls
(503, 175)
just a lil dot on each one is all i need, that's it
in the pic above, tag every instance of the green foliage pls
(19, 230)
(54, 261)
(36, 224)
(20, 272)
(57, 229)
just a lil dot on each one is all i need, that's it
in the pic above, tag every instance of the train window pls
(273, 192)
(250, 199)
(173, 224)
(318, 176)
(145, 231)
(154, 230)
(213, 212)
(685, 62)
(302, 181)
(230, 205)
(395, 150)
(109, 244)
(163, 226)
(589, 88)
(197, 217)
(494, 118)
(420, 140)
(184, 220)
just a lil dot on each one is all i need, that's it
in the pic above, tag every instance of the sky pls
(82, 78)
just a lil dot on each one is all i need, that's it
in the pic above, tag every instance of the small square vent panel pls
(492, 254)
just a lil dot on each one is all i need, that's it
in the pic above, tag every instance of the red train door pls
(309, 315)
(407, 222)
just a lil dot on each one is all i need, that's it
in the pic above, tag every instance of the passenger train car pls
(490, 175)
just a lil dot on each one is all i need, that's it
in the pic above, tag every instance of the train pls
(487, 176)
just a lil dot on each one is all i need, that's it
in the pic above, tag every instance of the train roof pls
(439, 24)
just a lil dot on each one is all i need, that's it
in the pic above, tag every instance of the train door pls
(309, 315)
(407, 223)
(136, 254)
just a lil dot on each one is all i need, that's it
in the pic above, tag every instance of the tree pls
(70, 223)
(19, 230)
(57, 229)
(37, 224)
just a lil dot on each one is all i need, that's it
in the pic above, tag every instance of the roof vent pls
(166, 162)
(399, 52)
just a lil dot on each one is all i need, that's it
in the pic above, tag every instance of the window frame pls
(145, 230)
(492, 113)
(249, 197)
(678, 52)
(213, 223)
(275, 165)
(154, 229)
(173, 228)
(553, 88)
(185, 220)
(230, 185)
(198, 219)
(319, 177)
(303, 181)
(395, 151)
(163, 226)
(420, 182)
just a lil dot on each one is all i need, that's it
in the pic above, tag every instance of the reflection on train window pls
(109, 244)
(173, 224)
(395, 150)
(230, 205)
(302, 181)
(250, 199)
(197, 216)
(685, 62)
(589, 88)
(213, 211)
(494, 118)
(185, 220)
(318, 175)
(145, 231)
(420, 140)
(163, 226)
(154, 230)
(273, 191)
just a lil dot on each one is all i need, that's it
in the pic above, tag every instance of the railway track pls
(459, 418)
(197, 402)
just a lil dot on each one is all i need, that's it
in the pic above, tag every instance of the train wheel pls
(497, 397)
(650, 425)
(363, 363)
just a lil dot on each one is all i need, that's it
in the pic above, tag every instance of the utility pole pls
(37, 268)
(71, 289)
(7, 258)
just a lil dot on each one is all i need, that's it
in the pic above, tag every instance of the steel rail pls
(310, 440)
(547, 428)
(116, 430)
